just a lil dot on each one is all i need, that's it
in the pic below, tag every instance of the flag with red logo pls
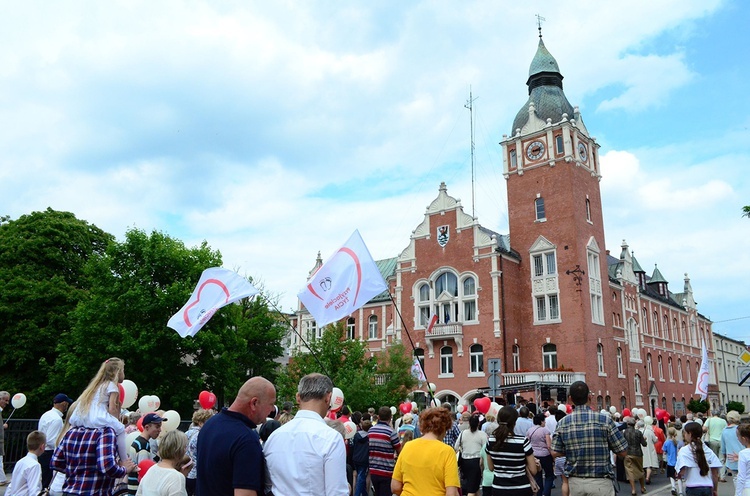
(216, 288)
(701, 385)
(343, 284)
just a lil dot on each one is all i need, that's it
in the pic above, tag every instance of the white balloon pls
(613, 409)
(393, 410)
(143, 404)
(414, 405)
(171, 421)
(337, 399)
(350, 429)
(18, 400)
(494, 409)
(435, 403)
(131, 393)
(432, 386)
(131, 437)
(154, 402)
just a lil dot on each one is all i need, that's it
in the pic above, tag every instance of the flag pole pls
(289, 323)
(406, 329)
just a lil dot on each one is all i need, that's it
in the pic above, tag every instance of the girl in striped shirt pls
(510, 457)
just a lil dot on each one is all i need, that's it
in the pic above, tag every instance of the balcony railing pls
(550, 376)
(446, 330)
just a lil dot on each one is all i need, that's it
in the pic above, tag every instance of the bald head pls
(255, 399)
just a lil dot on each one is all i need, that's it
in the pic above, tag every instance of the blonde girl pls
(99, 404)
(670, 455)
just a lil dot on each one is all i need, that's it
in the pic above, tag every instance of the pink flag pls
(701, 385)
(216, 288)
(343, 284)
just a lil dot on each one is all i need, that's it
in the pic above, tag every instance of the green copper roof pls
(543, 61)
(545, 91)
(387, 268)
(656, 276)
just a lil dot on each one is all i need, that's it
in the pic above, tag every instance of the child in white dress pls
(99, 405)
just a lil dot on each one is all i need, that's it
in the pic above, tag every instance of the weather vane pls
(539, 21)
(577, 274)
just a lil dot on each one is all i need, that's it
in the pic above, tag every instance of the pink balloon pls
(482, 404)
(405, 407)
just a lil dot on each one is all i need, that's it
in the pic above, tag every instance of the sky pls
(273, 130)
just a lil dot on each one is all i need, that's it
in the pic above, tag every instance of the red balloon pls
(405, 407)
(207, 399)
(139, 424)
(626, 412)
(144, 465)
(122, 393)
(569, 409)
(482, 404)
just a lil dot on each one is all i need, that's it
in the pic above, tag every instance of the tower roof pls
(545, 91)
(636, 266)
(656, 276)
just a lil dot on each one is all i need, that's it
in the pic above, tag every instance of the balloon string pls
(11, 414)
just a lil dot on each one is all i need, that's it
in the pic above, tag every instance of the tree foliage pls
(135, 288)
(364, 380)
(698, 406)
(746, 211)
(738, 406)
(42, 260)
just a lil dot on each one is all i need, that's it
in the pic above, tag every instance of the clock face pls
(535, 150)
(583, 152)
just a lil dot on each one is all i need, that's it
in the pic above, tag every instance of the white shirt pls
(693, 477)
(51, 423)
(307, 458)
(162, 481)
(742, 481)
(27, 477)
(550, 423)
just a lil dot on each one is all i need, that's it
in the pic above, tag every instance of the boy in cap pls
(140, 449)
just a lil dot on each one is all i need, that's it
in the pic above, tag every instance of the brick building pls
(547, 299)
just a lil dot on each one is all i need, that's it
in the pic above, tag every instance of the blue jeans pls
(698, 491)
(360, 487)
(547, 464)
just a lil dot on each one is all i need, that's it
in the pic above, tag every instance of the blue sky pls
(274, 129)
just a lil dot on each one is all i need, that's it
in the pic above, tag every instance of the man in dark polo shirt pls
(230, 458)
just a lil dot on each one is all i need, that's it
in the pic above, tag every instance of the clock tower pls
(551, 165)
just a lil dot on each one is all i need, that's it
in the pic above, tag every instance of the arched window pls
(669, 369)
(539, 208)
(666, 326)
(683, 332)
(447, 282)
(644, 321)
(600, 402)
(419, 353)
(516, 358)
(649, 366)
(674, 405)
(689, 373)
(476, 359)
(423, 304)
(637, 384)
(661, 368)
(623, 403)
(663, 402)
(446, 360)
(619, 361)
(549, 356)
(469, 297)
(350, 328)
(600, 357)
(588, 210)
(675, 330)
(656, 325)
(679, 370)
(372, 327)
(607, 402)
(633, 340)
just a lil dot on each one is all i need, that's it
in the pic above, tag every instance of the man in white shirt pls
(51, 424)
(305, 456)
(27, 475)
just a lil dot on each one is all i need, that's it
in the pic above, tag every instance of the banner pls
(216, 288)
(343, 284)
(701, 385)
(417, 371)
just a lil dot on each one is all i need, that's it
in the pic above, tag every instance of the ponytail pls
(695, 431)
(506, 422)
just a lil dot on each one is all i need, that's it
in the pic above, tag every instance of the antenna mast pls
(470, 105)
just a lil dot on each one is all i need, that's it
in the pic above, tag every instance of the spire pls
(545, 91)
(656, 276)
(636, 266)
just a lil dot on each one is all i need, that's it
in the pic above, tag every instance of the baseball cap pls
(59, 398)
(151, 418)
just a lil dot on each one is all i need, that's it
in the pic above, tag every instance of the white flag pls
(216, 288)
(701, 385)
(343, 284)
(417, 371)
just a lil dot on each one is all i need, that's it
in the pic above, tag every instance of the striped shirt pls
(510, 463)
(384, 442)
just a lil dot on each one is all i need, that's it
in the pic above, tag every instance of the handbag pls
(459, 457)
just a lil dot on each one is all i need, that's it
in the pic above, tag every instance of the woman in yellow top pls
(427, 466)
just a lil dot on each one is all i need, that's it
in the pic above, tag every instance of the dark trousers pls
(382, 485)
(44, 460)
(545, 485)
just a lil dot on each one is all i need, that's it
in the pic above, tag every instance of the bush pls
(736, 405)
(698, 406)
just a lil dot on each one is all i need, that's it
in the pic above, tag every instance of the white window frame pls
(549, 356)
(540, 208)
(634, 345)
(600, 359)
(476, 360)
(449, 303)
(446, 361)
(679, 370)
(660, 366)
(689, 373)
(670, 369)
(649, 367)
(351, 329)
(372, 327)
(516, 358)
(595, 282)
(544, 283)
(619, 362)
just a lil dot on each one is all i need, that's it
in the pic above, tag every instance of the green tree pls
(746, 211)
(42, 260)
(365, 381)
(135, 288)
(698, 406)
(738, 406)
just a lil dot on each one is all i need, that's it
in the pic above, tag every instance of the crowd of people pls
(253, 447)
